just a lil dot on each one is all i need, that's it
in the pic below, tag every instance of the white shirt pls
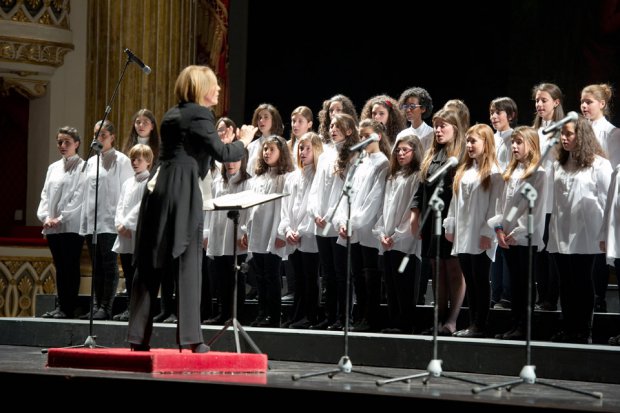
(325, 190)
(218, 228)
(470, 210)
(255, 149)
(547, 164)
(110, 183)
(128, 210)
(580, 196)
(367, 191)
(395, 215)
(294, 211)
(265, 218)
(610, 228)
(62, 195)
(513, 204)
(503, 148)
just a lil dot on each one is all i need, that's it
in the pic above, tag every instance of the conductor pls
(169, 232)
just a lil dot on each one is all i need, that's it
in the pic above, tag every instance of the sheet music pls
(243, 200)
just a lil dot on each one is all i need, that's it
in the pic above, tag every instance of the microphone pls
(571, 117)
(451, 162)
(360, 146)
(132, 57)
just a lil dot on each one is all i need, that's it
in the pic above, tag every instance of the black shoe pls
(159, 318)
(469, 333)
(87, 315)
(546, 306)
(288, 297)
(60, 315)
(171, 319)
(614, 341)
(361, 327)
(516, 334)
(501, 336)
(252, 294)
(300, 324)
(393, 331)
(50, 314)
(139, 347)
(322, 325)
(337, 326)
(124, 316)
(257, 321)
(215, 321)
(269, 322)
(101, 314)
(600, 306)
(199, 348)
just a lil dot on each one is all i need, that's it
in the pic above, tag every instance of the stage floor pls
(24, 366)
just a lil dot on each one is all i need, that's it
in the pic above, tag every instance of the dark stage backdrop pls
(321, 48)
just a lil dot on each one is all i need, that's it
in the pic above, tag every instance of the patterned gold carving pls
(21, 279)
(30, 88)
(33, 52)
(53, 13)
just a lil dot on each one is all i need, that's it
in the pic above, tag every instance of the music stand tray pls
(233, 203)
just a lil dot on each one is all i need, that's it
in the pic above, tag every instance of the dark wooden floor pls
(23, 368)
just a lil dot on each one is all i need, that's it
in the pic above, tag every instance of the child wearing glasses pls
(417, 104)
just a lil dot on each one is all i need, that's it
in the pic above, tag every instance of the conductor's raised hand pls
(246, 134)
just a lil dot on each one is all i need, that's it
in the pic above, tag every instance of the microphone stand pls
(344, 364)
(96, 147)
(434, 366)
(527, 374)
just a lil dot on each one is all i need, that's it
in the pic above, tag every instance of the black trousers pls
(517, 259)
(306, 270)
(476, 272)
(367, 283)
(267, 270)
(66, 249)
(105, 273)
(223, 273)
(187, 270)
(402, 289)
(576, 290)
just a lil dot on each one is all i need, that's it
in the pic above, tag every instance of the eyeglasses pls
(404, 151)
(145, 122)
(411, 106)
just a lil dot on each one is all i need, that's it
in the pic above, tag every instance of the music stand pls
(344, 364)
(233, 203)
(527, 375)
(96, 147)
(433, 368)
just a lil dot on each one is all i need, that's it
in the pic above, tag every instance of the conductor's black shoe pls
(321, 325)
(199, 348)
(139, 347)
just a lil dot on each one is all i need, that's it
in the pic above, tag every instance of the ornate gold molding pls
(44, 12)
(33, 52)
(27, 87)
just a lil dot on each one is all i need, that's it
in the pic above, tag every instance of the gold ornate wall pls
(160, 32)
(34, 38)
